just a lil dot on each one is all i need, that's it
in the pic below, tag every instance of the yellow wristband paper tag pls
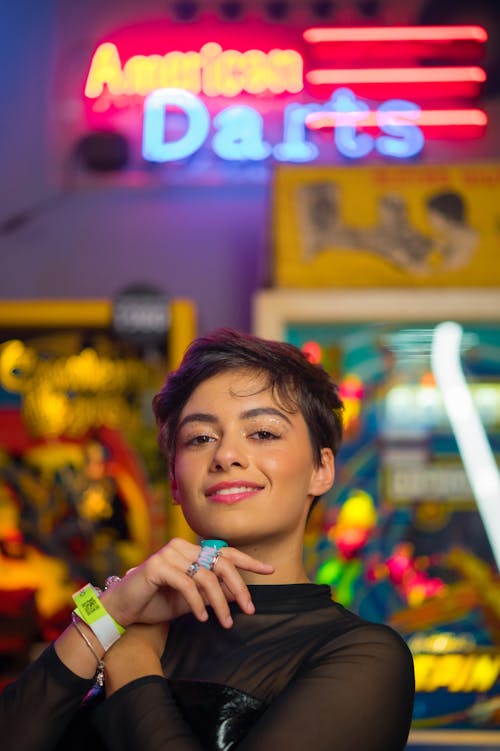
(90, 608)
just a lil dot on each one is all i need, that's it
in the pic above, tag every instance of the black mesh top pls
(302, 672)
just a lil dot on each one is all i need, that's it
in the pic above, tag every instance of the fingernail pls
(204, 616)
(228, 621)
(249, 607)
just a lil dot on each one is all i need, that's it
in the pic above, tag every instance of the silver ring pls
(215, 559)
(193, 568)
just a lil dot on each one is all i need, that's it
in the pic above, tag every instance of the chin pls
(226, 526)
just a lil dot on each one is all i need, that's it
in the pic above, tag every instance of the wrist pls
(114, 680)
(127, 662)
(88, 634)
(112, 599)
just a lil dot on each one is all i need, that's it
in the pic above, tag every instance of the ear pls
(324, 474)
(173, 486)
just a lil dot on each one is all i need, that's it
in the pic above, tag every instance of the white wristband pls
(106, 631)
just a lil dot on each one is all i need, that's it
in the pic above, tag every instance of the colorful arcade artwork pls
(410, 534)
(83, 489)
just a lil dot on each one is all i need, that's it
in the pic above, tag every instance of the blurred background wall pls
(65, 232)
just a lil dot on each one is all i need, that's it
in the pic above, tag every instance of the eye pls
(198, 440)
(265, 435)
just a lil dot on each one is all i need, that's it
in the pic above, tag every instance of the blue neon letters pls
(154, 146)
(239, 130)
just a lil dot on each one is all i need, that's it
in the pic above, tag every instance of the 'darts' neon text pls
(239, 129)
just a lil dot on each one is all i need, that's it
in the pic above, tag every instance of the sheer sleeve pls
(302, 672)
(143, 716)
(358, 694)
(355, 694)
(36, 709)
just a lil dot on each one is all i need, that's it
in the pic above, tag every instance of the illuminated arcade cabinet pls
(83, 489)
(409, 535)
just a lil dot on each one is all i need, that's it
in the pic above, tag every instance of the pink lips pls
(232, 492)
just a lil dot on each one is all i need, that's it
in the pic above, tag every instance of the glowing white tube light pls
(477, 457)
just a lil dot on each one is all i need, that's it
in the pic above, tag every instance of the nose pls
(229, 452)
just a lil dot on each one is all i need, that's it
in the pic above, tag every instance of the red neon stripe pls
(396, 75)
(427, 118)
(398, 34)
(453, 117)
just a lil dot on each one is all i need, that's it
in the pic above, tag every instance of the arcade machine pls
(410, 533)
(83, 489)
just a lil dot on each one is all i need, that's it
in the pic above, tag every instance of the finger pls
(167, 570)
(178, 558)
(240, 559)
(234, 583)
(183, 547)
(177, 555)
(188, 588)
(211, 588)
(246, 562)
(228, 561)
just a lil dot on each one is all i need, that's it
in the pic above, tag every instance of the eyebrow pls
(247, 415)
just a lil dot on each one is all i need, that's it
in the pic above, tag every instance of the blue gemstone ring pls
(210, 553)
(217, 544)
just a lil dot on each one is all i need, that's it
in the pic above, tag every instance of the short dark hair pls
(296, 382)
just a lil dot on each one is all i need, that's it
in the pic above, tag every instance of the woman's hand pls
(160, 589)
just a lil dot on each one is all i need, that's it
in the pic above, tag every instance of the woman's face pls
(243, 468)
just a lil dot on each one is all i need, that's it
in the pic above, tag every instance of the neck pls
(287, 562)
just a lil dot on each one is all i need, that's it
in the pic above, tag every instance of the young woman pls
(228, 644)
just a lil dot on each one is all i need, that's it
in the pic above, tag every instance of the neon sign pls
(212, 71)
(239, 129)
(397, 34)
(179, 90)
